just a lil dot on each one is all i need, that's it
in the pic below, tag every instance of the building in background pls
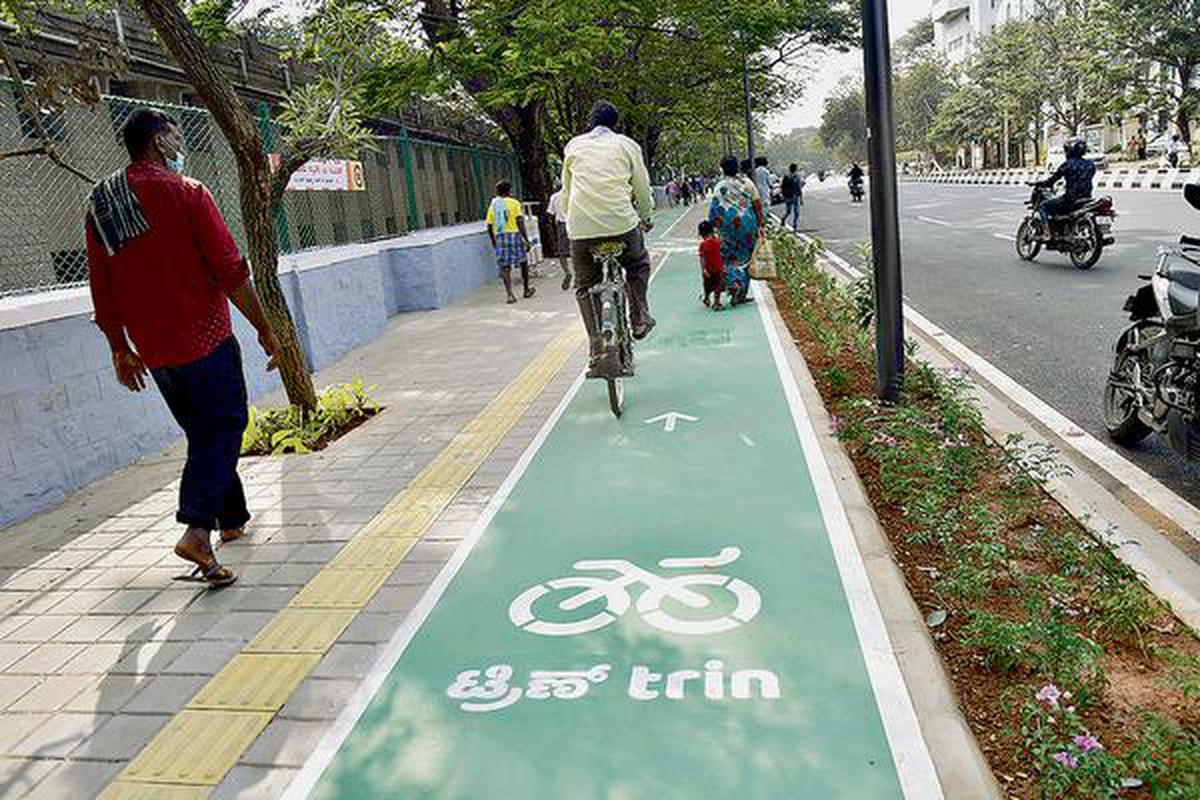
(959, 24)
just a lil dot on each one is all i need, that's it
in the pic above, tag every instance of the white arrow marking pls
(670, 419)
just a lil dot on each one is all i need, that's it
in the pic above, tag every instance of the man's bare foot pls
(232, 534)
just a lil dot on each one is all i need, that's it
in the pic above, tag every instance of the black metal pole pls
(885, 224)
(749, 120)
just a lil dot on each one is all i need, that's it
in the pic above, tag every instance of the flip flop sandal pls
(210, 572)
(511, 300)
(530, 292)
(216, 576)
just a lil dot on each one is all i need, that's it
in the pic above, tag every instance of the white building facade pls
(959, 24)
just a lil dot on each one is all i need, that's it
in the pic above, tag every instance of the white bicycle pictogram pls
(657, 588)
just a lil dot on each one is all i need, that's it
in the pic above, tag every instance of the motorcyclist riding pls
(1077, 173)
(856, 174)
(606, 198)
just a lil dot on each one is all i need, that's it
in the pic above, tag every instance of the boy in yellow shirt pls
(506, 229)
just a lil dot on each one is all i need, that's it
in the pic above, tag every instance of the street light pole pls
(749, 121)
(885, 224)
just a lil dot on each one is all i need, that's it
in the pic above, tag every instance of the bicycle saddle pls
(608, 249)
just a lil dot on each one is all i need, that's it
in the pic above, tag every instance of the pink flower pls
(835, 424)
(885, 440)
(1087, 743)
(1049, 695)
(1066, 759)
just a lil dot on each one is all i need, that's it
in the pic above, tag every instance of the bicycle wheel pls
(616, 395)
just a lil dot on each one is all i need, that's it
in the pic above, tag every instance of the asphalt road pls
(1048, 325)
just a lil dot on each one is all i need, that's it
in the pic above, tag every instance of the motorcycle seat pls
(1187, 278)
(1184, 299)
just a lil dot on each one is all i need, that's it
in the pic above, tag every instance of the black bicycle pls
(610, 309)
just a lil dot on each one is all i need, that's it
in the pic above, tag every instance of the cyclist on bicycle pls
(606, 198)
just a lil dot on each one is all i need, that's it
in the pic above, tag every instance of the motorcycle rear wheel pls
(1121, 419)
(1087, 258)
(1027, 244)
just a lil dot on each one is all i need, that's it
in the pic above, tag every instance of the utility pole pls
(885, 224)
(1006, 148)
(749, 120)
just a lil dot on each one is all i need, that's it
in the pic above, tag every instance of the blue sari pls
(732, 214)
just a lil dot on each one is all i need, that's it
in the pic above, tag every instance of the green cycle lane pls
(654, 611)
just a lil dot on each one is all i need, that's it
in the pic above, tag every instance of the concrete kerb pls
(1158, 179)
(1150, 528)
(961, 767)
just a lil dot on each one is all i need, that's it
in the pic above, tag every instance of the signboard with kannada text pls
(326, 175)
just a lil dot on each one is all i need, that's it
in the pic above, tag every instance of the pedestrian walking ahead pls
(510, 240)
(163, 268)
(792, 189)
(762, 181)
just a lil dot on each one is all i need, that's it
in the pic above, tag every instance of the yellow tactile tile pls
(255, 682)
(302, 630)
(373, 553)
(196, 747)
(340, 588)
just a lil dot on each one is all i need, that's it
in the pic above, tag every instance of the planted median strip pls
(1075, 680)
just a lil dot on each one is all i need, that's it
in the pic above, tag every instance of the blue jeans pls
(792, 208)
(207, 397)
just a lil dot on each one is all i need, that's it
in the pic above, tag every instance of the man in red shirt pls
(162, 268)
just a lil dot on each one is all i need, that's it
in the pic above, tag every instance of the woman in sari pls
(736, 213)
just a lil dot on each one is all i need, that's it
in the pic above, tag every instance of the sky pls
(823, 78)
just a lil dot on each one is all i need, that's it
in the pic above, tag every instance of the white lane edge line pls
(1142, 483)
(910, 753)
(1005, 236)
(935, 221)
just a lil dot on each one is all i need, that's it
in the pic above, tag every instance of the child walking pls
(712, 267)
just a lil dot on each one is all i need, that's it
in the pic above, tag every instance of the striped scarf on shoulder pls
(115, 212)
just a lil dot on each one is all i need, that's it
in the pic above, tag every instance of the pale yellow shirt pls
(604, 176)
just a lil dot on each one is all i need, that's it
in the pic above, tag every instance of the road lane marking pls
(670, 419)
(936, 221)
(1008, 237)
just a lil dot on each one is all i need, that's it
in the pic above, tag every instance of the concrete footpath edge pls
(961, 767)
(1152, 529)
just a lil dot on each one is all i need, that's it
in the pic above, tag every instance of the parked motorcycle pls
(856, 191)
(1154, 385)
(1082, 233)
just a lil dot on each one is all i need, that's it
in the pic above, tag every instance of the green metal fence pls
(411, 183)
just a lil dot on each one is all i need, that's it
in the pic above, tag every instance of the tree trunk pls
(1182, 118)
(254, 185)
(523, 127)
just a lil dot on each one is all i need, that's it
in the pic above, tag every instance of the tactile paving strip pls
(302, 630)
(196, 747)
(255, 682)
(204, 741)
